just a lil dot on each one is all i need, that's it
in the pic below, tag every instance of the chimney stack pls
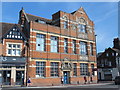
(116, 43)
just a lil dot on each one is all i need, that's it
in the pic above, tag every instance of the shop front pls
(13, 70)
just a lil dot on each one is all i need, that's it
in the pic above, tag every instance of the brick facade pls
(55, 27)
(38, 64)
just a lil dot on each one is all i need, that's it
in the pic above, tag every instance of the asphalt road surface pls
(89, 87)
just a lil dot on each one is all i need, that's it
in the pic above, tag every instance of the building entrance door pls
(19, 77)
(6, 77)
(66, 77)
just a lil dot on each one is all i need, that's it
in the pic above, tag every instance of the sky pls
(103, 14)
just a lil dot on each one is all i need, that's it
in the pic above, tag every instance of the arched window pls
(65, 23)
(82, 28)
(82, 25)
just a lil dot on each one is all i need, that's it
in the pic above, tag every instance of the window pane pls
(14, 46)
(10, 45)
(54, 44)
(91, 49)
(17, 52)
(54, 69)
(18, 46)
(9, 51)
(13, 52)
(83, 69)
(40, 42)
(83, 48)
(75, 69)
(74, 46)
(14, 49)
(65, 25)
(81, 28)
(40, 69)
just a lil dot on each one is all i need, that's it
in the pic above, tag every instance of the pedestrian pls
(29, 82)
(91, 79)
(85, 79)
(61, 80)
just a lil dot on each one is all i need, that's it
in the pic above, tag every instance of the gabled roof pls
(99, 54)
(81, 9)
(34, 18)
(113, 49)
(6, 27)
(116, 50)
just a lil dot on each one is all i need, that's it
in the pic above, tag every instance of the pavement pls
(65, 85)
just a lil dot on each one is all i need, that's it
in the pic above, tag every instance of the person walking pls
(62, 80)
(29, 82)
(85, 79)
(91, 79)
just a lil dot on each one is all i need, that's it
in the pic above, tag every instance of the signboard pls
(12, 59)
(3, 58)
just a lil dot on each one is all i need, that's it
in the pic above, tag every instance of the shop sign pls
(3, 58)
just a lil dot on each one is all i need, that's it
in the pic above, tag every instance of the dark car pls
(117, 80)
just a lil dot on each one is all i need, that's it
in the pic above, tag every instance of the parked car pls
(117, 80)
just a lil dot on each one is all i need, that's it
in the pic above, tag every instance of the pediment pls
(80, 13)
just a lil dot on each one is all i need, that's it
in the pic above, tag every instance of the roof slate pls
(116, 50)
(34, 18)
(7, 26)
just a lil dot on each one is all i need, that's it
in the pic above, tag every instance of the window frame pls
(13, 49)
(82, 28)
(40, 69)
(91, 49)
(65, 24)
(54, 44)
(74, 46)
(84, 69)
(74, 69)
(83, 48)
(54, 67)
(40, 38)
(65, 45)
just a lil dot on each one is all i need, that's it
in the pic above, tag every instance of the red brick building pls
(59, 50)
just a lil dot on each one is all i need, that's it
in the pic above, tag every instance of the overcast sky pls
(104, 15)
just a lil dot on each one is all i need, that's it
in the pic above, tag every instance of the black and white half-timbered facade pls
(13, 55)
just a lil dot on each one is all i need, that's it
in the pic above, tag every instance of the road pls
(69, 87)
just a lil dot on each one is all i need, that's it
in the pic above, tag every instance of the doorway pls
(66, 77)
(6, 77)
(19, 77)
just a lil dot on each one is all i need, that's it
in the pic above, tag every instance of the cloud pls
(108, 14)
